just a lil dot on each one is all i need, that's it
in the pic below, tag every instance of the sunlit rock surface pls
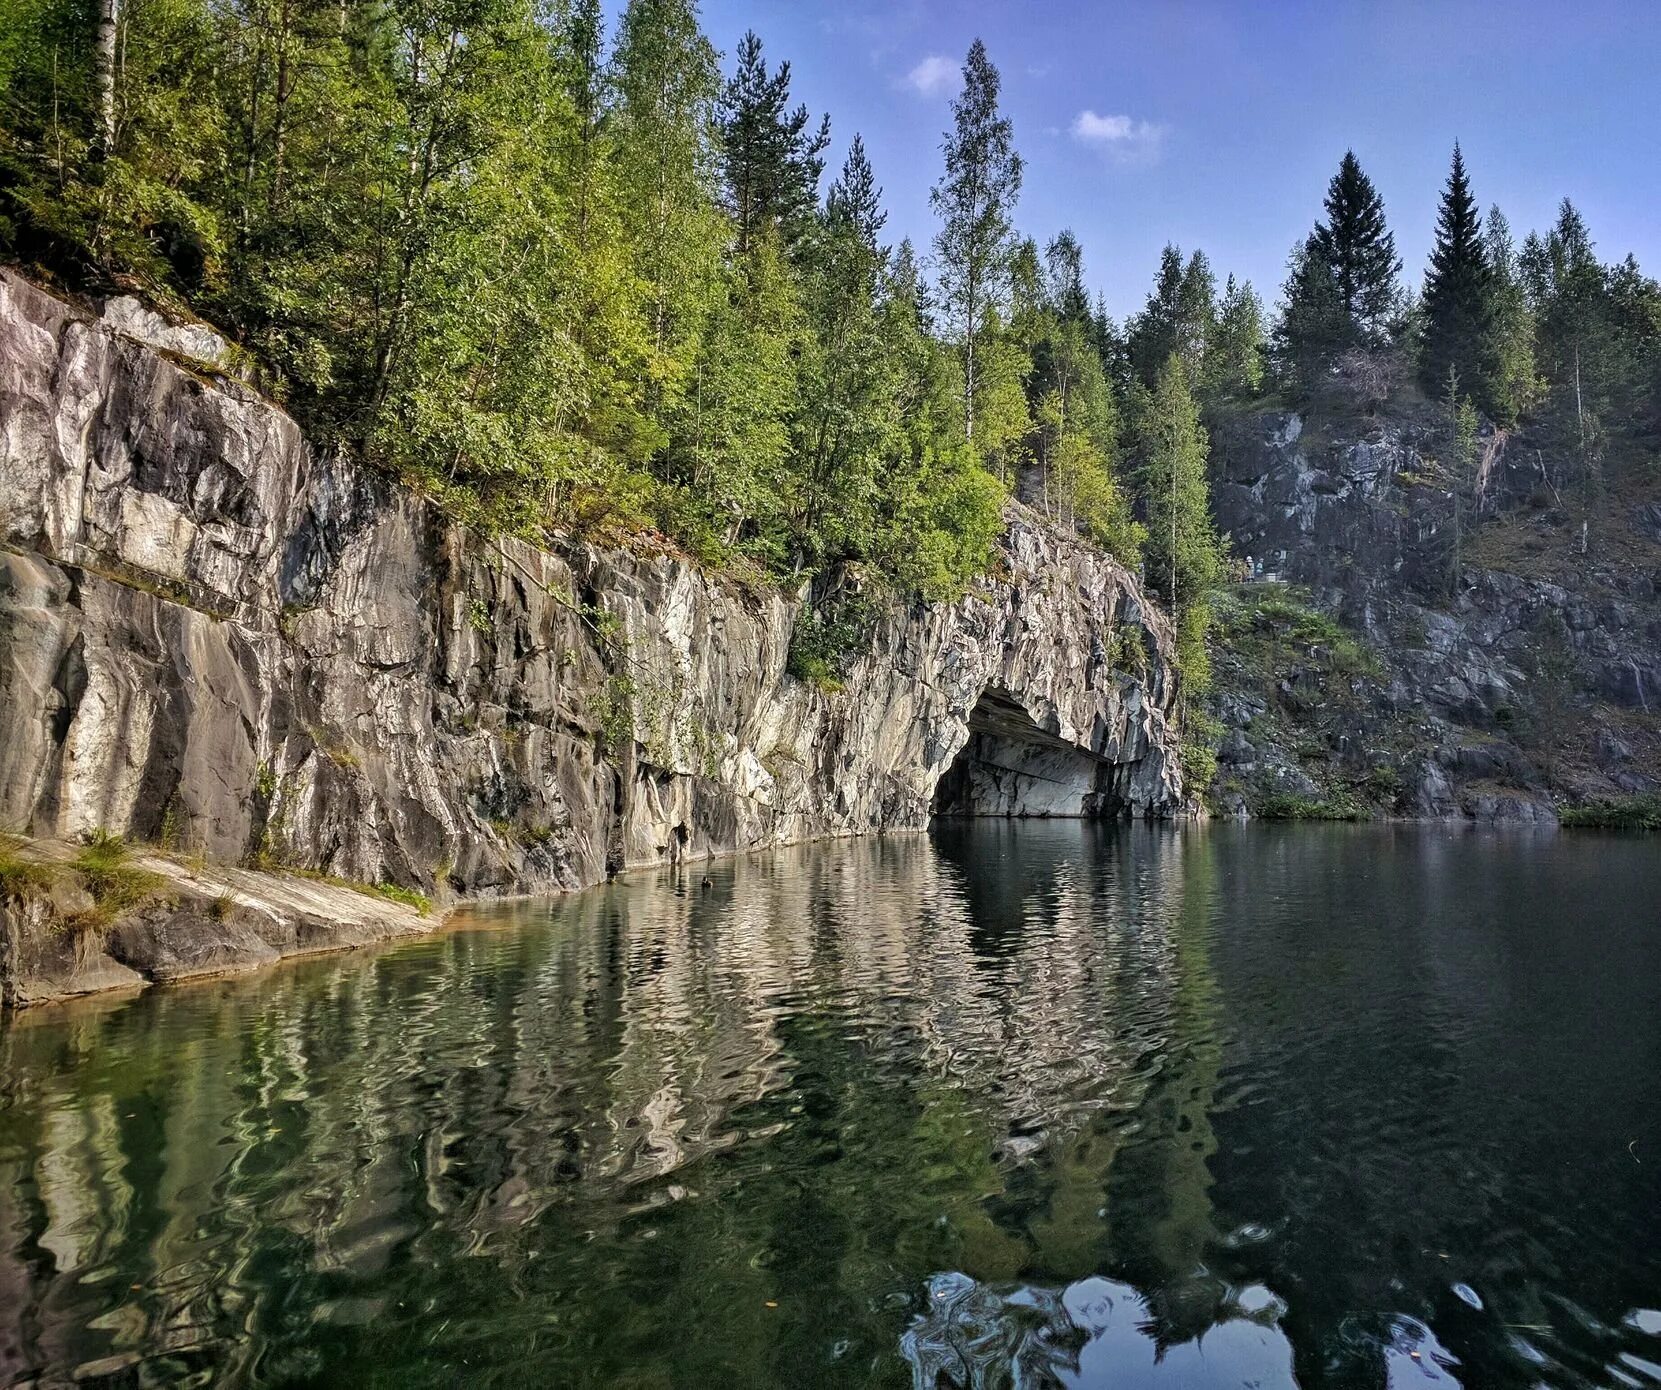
(215, 637)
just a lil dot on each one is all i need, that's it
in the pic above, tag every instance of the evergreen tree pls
(1458, 306)
(1311, 329)
(771, 155)
(1064, 259)
(1178, 317)
(1185, 556)
(975, 199)
(1360, 252)
(847, 419)
(1234, 353)
(855, 200)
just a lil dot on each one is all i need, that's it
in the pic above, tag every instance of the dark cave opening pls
(1013, 767)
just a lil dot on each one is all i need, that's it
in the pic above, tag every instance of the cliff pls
(221, 641)
(1398, 653)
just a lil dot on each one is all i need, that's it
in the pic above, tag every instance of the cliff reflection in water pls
(885, 1112)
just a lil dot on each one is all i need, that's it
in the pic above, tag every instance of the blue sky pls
(1217, 125)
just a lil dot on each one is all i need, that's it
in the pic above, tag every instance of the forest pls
(556, 277)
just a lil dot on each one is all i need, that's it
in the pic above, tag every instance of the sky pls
(1217, 125)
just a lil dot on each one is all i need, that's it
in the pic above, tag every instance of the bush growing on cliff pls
(1637, 812)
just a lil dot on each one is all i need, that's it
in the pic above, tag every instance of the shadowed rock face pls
(215, 636)
(1010, 766)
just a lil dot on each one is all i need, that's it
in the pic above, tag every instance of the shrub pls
(1638, 812)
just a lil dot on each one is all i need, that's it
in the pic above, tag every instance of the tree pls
(1234, 352)
(1064, 259)
(1311, 329)
(1513, 383)
(847, 418)
(1185, 556)
(1358, 249)
(855, 200)
(1458, 306)
(771, 156)
(1179, 317)
(975, 199)
(667, 82)
(1462, 460)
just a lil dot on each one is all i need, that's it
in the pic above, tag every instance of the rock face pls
(213, 636)
(206, 920)
(1531, 676)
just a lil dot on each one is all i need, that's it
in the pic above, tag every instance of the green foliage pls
(409, 897)
(1340, 806)
(974, 199)
(1360, 254)
(116, 884)
(1636, 812)
(824, 644)
(1185, 554)
(21, 879)
(1458, 301)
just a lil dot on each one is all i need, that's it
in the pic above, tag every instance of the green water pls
(1038, 1105)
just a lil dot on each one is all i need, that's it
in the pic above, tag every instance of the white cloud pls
(1123, 137)
(932, 77)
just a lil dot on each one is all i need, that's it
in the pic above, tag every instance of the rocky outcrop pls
(192, 920)
(1510, 665)
(215, 637)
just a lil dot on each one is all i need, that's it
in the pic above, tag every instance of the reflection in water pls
(1361, 1107)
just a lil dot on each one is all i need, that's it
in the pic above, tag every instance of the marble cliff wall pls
(215, 637)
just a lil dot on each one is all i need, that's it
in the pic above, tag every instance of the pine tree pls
(1358, 248)
(855, 200)
(771, 155)
(1458, 303)
(975, 199)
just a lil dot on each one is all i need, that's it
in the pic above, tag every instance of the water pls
(1042, 1104)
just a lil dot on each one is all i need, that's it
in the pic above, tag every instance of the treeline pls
(559, 276)
(1544, 332)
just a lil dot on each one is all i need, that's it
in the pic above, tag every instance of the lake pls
(1015, 1104)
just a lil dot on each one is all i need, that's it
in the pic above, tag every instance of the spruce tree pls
(1458, 304)
(1234, 353)
(1312, 328)
(1177, 318)
(975, 199)
(1361, 253)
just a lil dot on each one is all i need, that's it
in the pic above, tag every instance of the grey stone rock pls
(211, 633)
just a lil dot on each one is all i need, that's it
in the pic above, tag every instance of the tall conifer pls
(1459, 293)
(1358, 247)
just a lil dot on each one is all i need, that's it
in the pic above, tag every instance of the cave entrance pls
(1012, 767)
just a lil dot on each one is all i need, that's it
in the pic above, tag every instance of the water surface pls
(1033, 1104)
